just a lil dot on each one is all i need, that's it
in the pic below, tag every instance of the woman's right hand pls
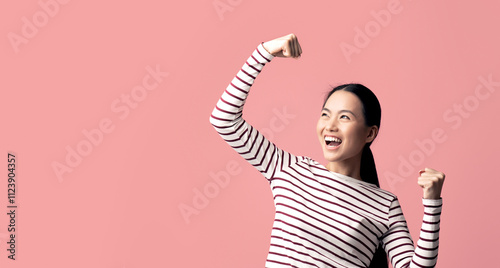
(286, 46)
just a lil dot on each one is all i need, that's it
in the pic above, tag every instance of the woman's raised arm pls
(397, 241)
(227, 115)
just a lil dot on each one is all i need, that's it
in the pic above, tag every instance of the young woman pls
(333, 216)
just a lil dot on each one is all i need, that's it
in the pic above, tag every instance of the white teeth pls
(332, 139)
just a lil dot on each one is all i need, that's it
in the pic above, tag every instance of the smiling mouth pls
(332, 141)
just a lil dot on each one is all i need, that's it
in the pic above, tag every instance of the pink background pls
(120, 206)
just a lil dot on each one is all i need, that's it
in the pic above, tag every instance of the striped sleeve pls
(227, 118)
(399, 245)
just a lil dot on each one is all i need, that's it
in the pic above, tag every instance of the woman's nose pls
(331, 125)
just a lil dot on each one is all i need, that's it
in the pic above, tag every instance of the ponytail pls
(369, 174)
(368, 170)
(379, 258)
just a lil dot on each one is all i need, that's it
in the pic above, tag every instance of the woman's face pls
(341, 127)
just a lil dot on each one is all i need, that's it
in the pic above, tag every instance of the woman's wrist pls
(267, 49)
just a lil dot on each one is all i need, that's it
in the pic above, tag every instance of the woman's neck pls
(349, 167)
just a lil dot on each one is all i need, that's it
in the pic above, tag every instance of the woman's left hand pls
(431, 182)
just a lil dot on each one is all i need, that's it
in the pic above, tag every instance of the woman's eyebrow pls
(347, 111)
(341, 111)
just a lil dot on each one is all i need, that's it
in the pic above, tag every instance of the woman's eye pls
(324, 114)
(344, 117)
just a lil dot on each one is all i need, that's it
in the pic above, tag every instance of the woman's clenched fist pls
(431, 182)
(286, 46)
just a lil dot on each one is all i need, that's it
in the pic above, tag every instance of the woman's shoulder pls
(388, 193)
(315, 165)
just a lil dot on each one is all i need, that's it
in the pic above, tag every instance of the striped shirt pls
(322, 219)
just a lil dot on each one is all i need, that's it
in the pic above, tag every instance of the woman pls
(333, 216)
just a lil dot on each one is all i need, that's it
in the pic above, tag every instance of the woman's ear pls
(372, 134)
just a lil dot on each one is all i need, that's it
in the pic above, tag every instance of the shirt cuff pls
(432, 202)
(264, 52)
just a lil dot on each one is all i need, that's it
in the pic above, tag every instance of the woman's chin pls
(330, 158)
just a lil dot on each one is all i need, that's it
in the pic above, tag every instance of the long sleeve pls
(228, 121)
(399, 245)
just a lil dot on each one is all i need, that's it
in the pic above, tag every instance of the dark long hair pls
(372, 114)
